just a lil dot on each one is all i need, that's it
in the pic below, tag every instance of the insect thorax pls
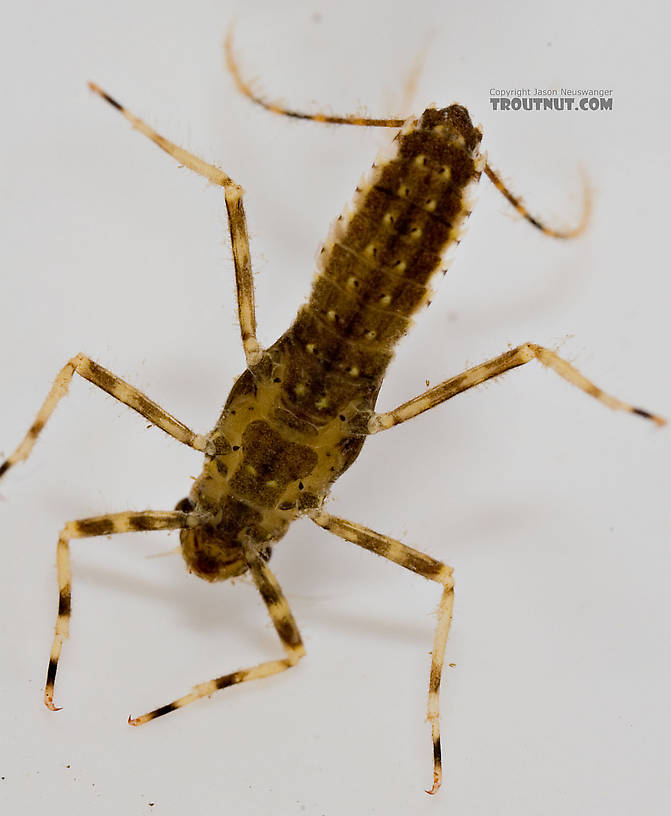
(297, 420)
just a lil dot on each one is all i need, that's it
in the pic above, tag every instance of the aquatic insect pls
(300, 413)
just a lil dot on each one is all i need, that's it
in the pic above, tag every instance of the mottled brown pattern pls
(287, 632)
(64, 602)
(297, 419)
(269, 593)
(298, 416)
(423, 564)
(434, 678)
(374, 277)
(214, 552)
(229, 680)
(36, 427)
(101, 377)
(101, 525)
(269, 464)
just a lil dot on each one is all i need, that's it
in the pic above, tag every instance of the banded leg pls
(499, 365)
(284, 624)
(363, 121)
(115, 387)
(427, 567)
(237, 224)
(127, 522)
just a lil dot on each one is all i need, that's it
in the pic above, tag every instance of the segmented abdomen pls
(376, 265)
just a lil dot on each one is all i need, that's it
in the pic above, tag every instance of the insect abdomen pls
(376, 265)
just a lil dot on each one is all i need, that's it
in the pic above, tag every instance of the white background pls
(553, 510)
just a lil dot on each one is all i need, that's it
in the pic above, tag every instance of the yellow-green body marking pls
(299, 414)
(297, 419)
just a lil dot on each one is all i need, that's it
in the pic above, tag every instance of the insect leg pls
(237, 224)
(117, 388)
(97, 526)
(499, 365)
(427, 567)
(284, 624)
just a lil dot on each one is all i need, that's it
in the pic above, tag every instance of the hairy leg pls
(286, 629)
(115, 387)
(427, 567)
(493, 368)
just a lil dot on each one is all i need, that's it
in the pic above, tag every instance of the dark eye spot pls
(301, 485)
(236, 447)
